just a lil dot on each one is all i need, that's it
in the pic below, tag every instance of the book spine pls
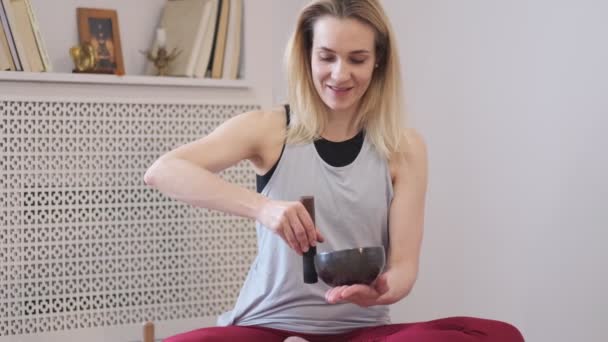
(218, 58)
(209, 67)
(44, 56)
(196, 46)
(209, 20)
(17, 39)
(6, 59)
(10, 37)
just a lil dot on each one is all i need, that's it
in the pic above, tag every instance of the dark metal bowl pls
(350, 266)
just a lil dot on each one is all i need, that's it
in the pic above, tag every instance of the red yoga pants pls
(452, 329)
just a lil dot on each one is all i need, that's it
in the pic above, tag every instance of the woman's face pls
(342, 62)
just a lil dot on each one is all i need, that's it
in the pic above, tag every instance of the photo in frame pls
(99, 27)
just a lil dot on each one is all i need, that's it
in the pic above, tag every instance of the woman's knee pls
(211, 334)
(506, 332)
(492, 330)
(482, 328)
(229, 334)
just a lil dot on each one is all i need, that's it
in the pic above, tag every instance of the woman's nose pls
(340, 71)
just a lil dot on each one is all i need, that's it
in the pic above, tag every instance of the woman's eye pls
(326, 58)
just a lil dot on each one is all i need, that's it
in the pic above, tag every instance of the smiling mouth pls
(341, 89)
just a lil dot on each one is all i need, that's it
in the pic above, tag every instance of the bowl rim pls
(352, 249)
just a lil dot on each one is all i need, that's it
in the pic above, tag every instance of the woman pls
(341, 140)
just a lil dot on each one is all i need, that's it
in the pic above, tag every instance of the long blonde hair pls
(381, 108)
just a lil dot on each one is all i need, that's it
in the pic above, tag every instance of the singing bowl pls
(350, 266)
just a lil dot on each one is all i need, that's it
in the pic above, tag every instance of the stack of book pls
(21, 44)
(206, 34)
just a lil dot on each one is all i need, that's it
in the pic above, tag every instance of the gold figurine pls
(162, 59)
(83, 56)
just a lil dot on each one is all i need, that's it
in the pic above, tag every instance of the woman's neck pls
(341, 126)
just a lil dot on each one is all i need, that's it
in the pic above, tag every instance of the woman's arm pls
(188, 174)
(406, 221)
(406, 217)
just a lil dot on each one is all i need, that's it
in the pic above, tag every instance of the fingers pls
(334, 295)
(299, 231)
(355, 290)
(290, 238)
(313, 233)
(361, 295)
(293, 224)
(320, 237)
(306, 223)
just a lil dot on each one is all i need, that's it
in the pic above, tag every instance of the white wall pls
(284, 22)
(509, 97)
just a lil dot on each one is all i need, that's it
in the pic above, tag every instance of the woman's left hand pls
(363, 295)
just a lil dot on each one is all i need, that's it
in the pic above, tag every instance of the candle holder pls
(162, 59)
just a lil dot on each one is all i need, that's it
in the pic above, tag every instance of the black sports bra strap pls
(287, 114)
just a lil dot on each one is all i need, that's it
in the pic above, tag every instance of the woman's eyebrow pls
(356, 52)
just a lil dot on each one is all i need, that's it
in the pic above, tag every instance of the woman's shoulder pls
(261, 124)
(267, 128)
(260, 114)
(266, 119)
(412, 145)
(412, 154)
(415, 143)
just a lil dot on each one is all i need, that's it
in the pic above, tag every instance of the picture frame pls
(99, 27)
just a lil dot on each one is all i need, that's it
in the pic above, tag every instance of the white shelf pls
(138, 80)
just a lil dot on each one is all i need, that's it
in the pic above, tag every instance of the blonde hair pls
(381, 108)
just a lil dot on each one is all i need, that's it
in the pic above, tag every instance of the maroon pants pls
(453, 329)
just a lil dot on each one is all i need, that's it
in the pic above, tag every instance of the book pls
(42, 51)
(209, 23)
(215, 28)
(233, 41)
(182, 22)
(6, 60)
(14, 42)
(25, 32)
(220, 40)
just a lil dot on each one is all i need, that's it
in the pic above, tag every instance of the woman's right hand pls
(292, 223)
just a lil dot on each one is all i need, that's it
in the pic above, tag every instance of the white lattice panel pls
(84, 243)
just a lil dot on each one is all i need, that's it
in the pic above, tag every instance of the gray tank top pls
(351, 210)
